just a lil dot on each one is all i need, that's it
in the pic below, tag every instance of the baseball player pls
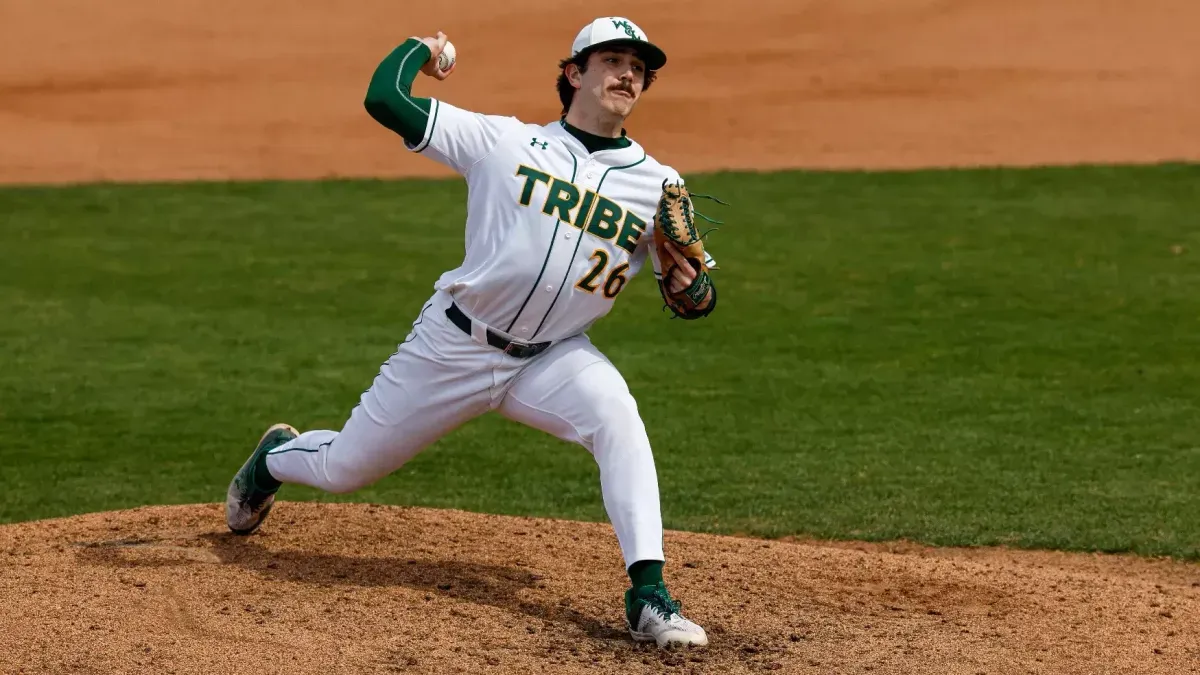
(560, 217)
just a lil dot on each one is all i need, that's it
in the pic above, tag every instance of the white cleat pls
(246, 504)
(652, 616)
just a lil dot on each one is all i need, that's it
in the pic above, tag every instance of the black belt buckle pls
(524, 351)
(517, 350)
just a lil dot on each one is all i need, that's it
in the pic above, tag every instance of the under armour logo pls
(624, 25)
(535, 142)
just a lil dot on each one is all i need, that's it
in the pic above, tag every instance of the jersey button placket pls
(563, 260)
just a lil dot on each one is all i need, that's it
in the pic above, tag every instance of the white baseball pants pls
(440, 378)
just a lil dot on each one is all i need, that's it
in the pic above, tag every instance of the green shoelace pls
(661, 602)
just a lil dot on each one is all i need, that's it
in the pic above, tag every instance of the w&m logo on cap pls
(624, 25)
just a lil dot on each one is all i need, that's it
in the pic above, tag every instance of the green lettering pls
(562, 198)
(631, 229)
(584, 209)
(624, 25)
(532, 177)
(605, 219)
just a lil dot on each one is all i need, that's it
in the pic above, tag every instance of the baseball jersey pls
(553, 233)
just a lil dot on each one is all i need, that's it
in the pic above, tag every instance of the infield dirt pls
(360, 588)
(137, 90)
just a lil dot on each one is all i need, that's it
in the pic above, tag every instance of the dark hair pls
(566, 90)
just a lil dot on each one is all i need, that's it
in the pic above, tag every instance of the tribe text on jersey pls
(553, 233)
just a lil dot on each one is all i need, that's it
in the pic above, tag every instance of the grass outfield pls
(982, 357)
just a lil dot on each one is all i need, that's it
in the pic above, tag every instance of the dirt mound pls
(148, 90)
(358, 588)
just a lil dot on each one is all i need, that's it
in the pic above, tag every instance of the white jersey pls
(553, 233)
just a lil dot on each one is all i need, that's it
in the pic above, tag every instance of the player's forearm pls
(389, 100)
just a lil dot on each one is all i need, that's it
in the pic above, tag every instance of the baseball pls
(446, 58)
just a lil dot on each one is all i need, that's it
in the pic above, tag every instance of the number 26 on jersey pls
(612, 284)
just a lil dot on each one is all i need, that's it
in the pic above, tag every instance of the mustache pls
(627, 88)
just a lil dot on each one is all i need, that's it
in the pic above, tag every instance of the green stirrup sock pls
(263, 480)
(646, 573)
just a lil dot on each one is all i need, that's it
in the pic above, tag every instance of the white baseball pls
(446, 58)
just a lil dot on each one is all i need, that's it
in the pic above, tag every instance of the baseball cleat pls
(652, 616)
(247, 504)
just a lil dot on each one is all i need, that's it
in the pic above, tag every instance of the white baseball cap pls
(616, 30)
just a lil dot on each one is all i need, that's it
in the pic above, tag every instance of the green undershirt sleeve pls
(389, 100)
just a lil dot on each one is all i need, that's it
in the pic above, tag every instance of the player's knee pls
(342, 483)
(343, 477)
(615, 413)
(616, 407)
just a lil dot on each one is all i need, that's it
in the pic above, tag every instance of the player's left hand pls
(682, 274)
(686, 286)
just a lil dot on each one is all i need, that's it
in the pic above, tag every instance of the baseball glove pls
(675, 227)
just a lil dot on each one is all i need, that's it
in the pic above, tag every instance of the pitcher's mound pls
(338, 588)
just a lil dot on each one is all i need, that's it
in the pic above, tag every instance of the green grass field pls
(979, 357)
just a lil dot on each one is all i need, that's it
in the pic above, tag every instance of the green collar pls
(595, 143)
